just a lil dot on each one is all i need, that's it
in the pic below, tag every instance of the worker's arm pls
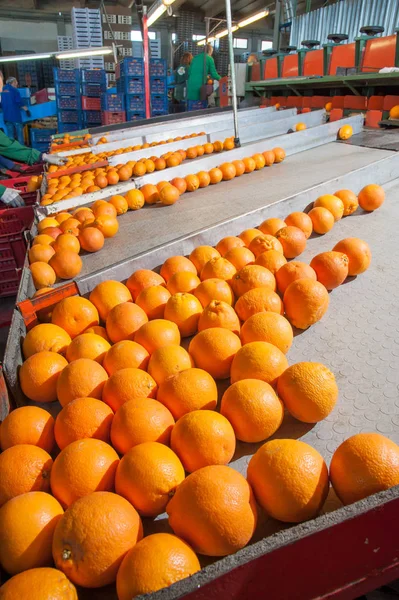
(16, 151)
(10, 197)
(212, 69)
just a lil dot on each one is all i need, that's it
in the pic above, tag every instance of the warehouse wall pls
(25, 35)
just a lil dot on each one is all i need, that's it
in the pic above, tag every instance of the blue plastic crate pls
(67, 89)
(196, 104)
(113, 102)
(41, 146)
(158, 112)
(158, 85)
(70, 116)
(41, 136)
(67, 75)
(92, 117)
(130, 85)
(69, 102)
(132, 67)
(68, 127)
(94, 76)
(158, 67)
(135, 103)
(132, 115)
(159, 102)
(93, 90)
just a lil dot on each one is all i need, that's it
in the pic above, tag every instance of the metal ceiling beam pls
(248, 7)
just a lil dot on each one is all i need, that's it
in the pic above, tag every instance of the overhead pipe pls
(232, 74)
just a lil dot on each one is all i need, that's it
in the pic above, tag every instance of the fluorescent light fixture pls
(254, 18)
(80, 53)
(6, 59)
(205, 41)
(226, 31)
(154, 14)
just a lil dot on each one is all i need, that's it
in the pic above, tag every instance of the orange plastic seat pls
(379, 53)
(290, 66)
(271, 69)
(255, 72)
(342, 56)
(313, 63)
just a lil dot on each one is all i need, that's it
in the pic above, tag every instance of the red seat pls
(342, 56)
(355, 102)
(313, 63)
(255, 72)
(336, 114)
(373, 118)
(376, 103)
(379, 53)
(271, 69)
(307, 102)
(319, 101)
(290, 66)
(390, 102)
(294, 102)
(338, 101)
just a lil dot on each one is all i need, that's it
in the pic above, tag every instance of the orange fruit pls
(250, 164)
(184, 309)
(279, 155)
(309, 391)
(331, 203)
(228, 170)
(358, 253)
(183, 281)
(264, 242)
(48, 222)
(289, 479)
(152, 301)
(331, 268)
(150, 193)
(251, 277)
(228, 144)
(66, 241)
(268, 327)
(269, 157)
(147, 477)
(125, 354)
(240, 257)
(42, 275)
(40, 253)
(248, 235)
(300, 126)
(128, 384)
(293, 241)
(120, 204)
(83, 418)
(149, 165)
(112, 177)
(43, 239)
(27, 524)
(107, 225)
(253, 409)
(180, 184)
(193, 183)
(75, 315)
(139, 169)
(257, 300)
(201, 255)
(43, 582)
(213, 351)
(91, 239)
(101, 181)
(53, 232)
(305, 302)
(215, 175)
(214, 495)
(82, 378)
(108, 294)
(45, 337)
(217, 146)
(204, 179)
(88, 345)
(192, 152)
(208, 148)
(69, 224)
(301, 221)
(394, 112)
(219, 314)
(139, 575)
(98, 330)
(24, 468)
(173, 161)
(214, 289)
(167, 361)
(271, 260)
(102, 207)
(124, 173)
(218, 268)
(260, 161)
(157, 334)
(94, 460)
(201, 438)
(345, 132)
(93, 536)
(371, 197)
(349, 200)
(176, 264)
(124, 320)
(28, 425)
(239, 166)
(364, 464)
(291, 272)
(66, 264)
(169, 195)
(38, 375)
(258, 360)
(227, 243)
(188, 390)
(135, 199)
(138, 421)
(142, 279)
(272, 225)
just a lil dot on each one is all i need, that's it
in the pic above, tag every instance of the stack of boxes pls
(130, 83)
(68, 98)
(158, 87)
(94, 85)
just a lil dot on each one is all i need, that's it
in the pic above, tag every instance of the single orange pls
(83, 418)
(213, 351)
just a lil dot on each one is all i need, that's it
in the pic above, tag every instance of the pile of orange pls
(138, 433)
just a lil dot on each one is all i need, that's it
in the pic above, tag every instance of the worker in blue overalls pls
(11, 103)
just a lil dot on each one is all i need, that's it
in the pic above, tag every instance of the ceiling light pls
(206, 41)
(161, 7)
(79, 53)
(167, 2)
(226, 31)
(6, 59)
(254, 18)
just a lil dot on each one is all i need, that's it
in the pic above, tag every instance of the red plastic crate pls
(18, 183)
(91, 103)
(110, 118)
(13, 223)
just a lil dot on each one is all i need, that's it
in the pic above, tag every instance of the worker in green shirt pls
(198, 75)
(11, 149)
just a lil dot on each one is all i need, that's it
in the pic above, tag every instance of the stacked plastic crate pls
(130, 83)
(94, 85)
(28, 75)
(113, 109)
(67, 93)
(40, 139)
(158, 87)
